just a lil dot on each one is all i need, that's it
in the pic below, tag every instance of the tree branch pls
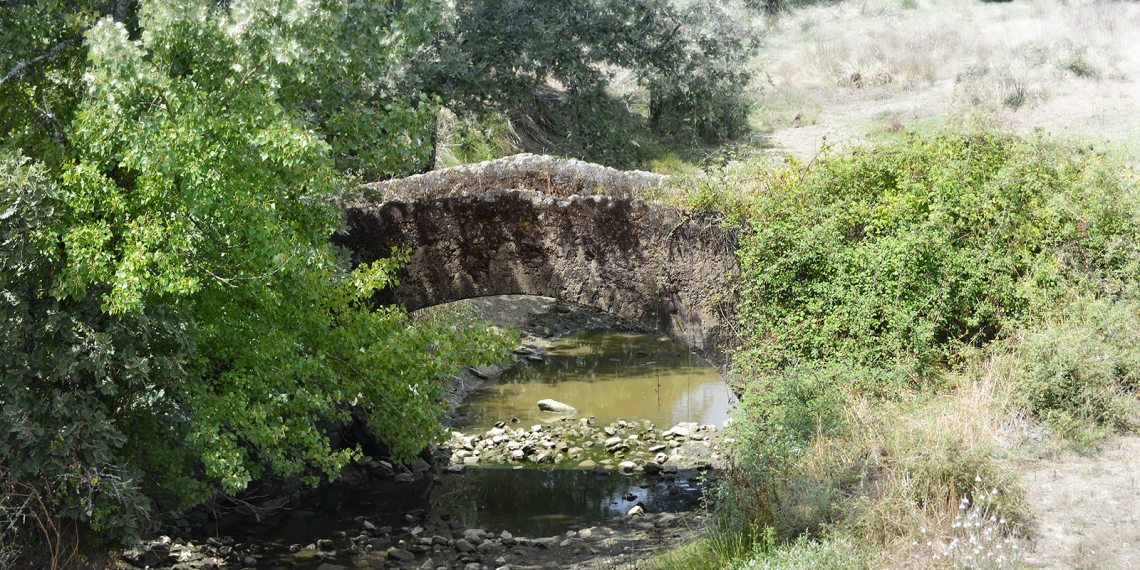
(49, 54)
(353, 369)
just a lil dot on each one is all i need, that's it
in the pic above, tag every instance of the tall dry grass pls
(1065, 67)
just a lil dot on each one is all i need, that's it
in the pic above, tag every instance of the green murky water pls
(609, 375)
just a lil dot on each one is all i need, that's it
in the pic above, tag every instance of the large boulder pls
(549, 405)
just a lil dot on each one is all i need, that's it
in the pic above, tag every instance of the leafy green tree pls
(175, 320)
(498, 55)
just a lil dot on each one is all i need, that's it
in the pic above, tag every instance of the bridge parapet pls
(647, 262)
(546, 174)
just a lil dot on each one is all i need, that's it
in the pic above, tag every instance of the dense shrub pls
(870, 276)
(896, 257)
(1080, 370)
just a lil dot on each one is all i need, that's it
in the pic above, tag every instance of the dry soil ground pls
(1087, 508)
(852, 71)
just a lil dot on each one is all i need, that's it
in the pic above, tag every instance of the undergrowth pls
(908, 314)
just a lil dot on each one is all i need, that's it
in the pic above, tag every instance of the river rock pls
(464, 546)
(545, 457)
(404, 477)
(549, 405)
(627, 466)
(546, 542)
(400, 554)
(600, 471)
(651, 468)
(518, 455)
(587, 464)
(637, 510)
(457, 469)
(327, 566)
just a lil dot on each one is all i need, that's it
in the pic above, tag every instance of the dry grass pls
(854, 70)
(920, 472)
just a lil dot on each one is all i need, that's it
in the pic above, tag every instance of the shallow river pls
(606, 374)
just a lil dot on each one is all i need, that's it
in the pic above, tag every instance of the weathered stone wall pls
(644, 261)
(546, 174)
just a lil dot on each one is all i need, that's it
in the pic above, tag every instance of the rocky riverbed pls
(439, 546)
(432, 530)
(624, 446)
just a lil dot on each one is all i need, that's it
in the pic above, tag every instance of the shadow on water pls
(603, 373)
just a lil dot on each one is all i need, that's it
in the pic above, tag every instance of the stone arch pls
(647, 262)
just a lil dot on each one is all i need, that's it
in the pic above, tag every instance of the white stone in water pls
(681, 431)
(661, 458)
(637, 510)
(613, 441)
(627, 466)
(518, 455)
(549, 405)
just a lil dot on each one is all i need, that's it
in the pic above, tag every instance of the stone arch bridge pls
(537, 225)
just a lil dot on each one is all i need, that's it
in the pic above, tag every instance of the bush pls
(1081, 370)
(876, 273)
(772, 430)
(77, 381)
(900, 256)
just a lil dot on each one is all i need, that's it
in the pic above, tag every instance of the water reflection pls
(525, 502)
(609, 375)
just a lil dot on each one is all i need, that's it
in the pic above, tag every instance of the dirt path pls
(1087, 509)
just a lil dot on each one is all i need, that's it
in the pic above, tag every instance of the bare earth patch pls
(848, 73)
(1087, 508)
